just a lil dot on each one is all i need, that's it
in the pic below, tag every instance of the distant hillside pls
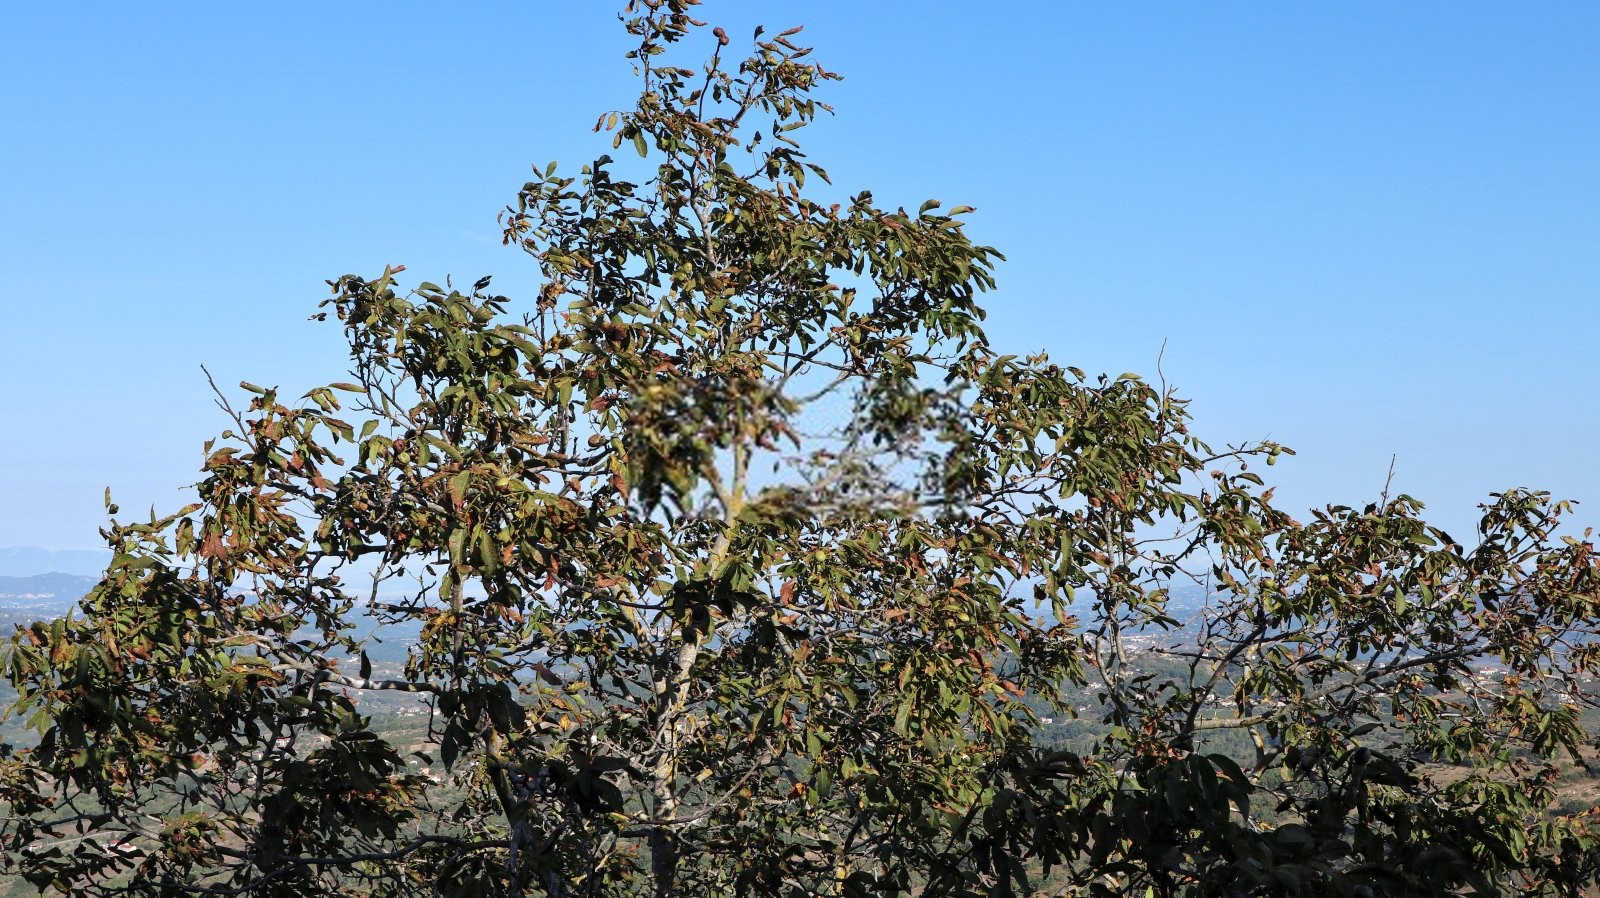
(26, 599)
(53, 587)
(22, 561)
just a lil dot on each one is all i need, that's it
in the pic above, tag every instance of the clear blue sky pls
(1362, 231)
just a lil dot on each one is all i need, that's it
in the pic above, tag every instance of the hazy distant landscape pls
(29, 561)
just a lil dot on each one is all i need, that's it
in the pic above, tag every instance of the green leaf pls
(902, 716)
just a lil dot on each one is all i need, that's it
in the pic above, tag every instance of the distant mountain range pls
(53, 589)
(27, 595)
(24, 561)
(39, 597)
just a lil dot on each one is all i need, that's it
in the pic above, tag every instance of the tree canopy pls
(740, 563)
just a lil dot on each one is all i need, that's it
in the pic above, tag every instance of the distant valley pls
(26, 599)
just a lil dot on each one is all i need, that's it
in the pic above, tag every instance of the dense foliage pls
(743, 565)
